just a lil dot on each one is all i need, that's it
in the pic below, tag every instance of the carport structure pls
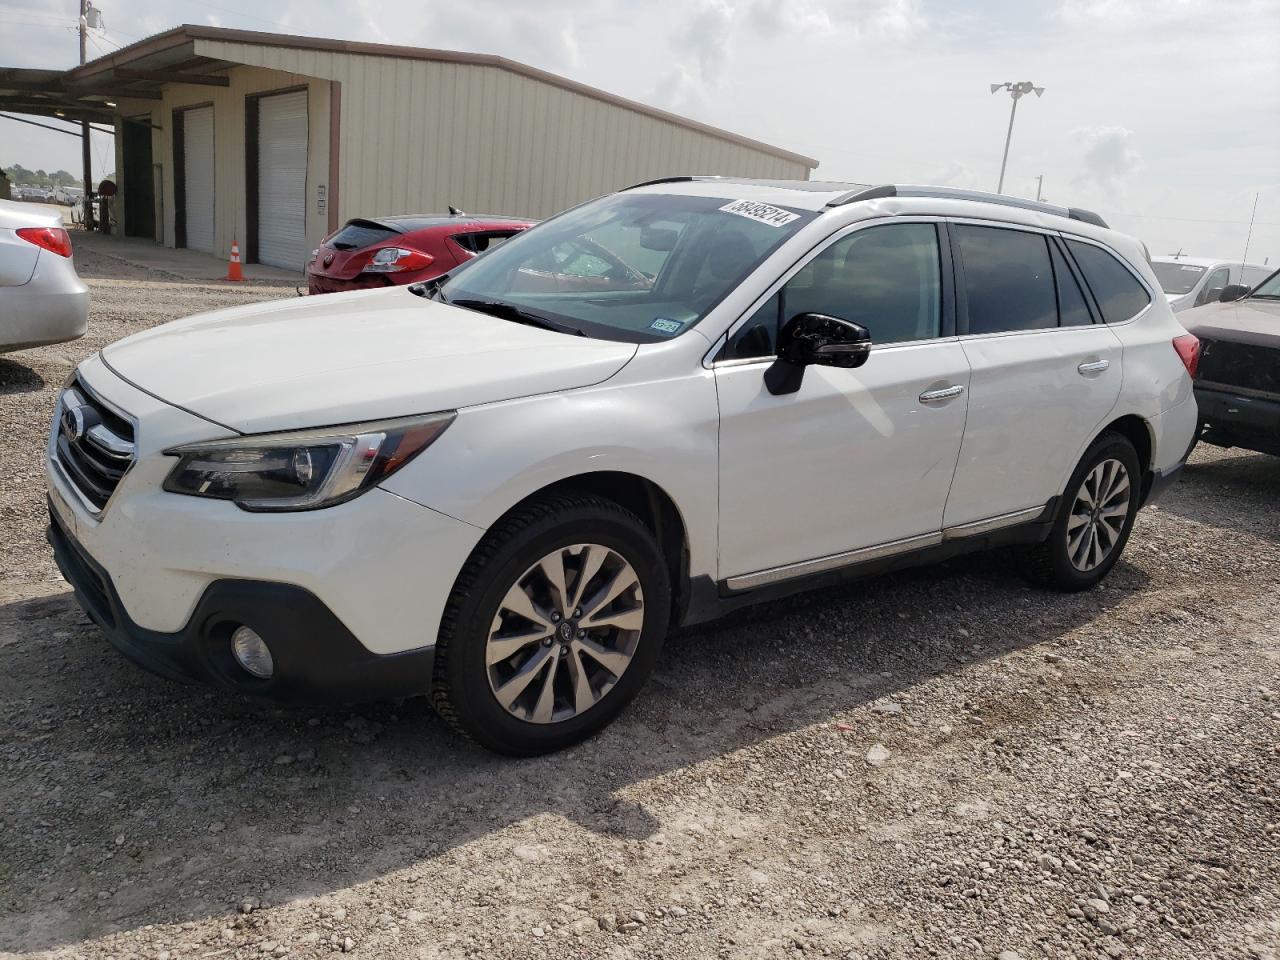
(274, 140)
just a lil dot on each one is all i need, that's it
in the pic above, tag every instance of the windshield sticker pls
(760, 212)
(663, 325)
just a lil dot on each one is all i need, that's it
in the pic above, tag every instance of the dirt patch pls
(1059, 776)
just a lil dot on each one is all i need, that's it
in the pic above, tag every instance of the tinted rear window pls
(1008, 280)
(1120, 296)
(1072, 309)
(356, 235)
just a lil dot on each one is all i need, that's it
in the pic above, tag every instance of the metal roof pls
(140, 69)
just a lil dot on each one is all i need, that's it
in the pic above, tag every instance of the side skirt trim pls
(804, 568)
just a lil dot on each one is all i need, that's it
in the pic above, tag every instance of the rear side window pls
(1120, 296)
(1008, 279)
(1072, 309)
(480, 242)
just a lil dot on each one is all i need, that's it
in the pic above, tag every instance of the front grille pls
(93, 444)
(1244, 365)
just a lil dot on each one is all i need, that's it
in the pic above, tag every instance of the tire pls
(505, 578)
(1059, 561)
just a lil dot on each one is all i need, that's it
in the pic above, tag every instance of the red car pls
(383, 251)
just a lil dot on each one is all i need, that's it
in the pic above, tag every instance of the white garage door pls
(282, 180)
(197, 167)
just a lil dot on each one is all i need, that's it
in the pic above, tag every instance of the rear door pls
(282, 180)
(1045, 374)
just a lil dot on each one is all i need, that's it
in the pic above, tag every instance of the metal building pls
(275, 140)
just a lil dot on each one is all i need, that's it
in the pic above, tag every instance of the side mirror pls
(1232, 292)
(809, 338)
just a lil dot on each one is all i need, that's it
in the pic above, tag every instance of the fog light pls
(251, 652)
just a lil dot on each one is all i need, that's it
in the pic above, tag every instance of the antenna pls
(1249, 235)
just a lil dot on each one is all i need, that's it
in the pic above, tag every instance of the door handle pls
(943, 393)
(1093, 366)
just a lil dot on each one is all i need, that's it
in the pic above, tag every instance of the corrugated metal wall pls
(418, 135)
(229, 147)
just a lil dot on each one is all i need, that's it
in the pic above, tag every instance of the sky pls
(1162, 115)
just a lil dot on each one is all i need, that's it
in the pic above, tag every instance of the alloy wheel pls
(1098, 515)
(565, 633)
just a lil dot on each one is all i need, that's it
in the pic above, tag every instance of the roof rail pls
(952, 193)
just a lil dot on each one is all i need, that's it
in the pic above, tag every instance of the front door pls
(854, 458)
(1045, 375)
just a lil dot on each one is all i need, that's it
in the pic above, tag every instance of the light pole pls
(1017, 91)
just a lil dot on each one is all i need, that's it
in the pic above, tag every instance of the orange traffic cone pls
(233, 265)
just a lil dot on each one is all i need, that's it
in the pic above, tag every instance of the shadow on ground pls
(1230, 490)
(17, 377)
(181, 802)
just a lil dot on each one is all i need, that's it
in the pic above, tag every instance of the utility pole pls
(1017, 91)
(1039, 185)
(84, 124)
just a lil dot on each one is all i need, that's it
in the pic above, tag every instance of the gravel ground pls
(944, 762)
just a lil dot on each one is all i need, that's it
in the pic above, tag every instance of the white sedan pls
(42, 298)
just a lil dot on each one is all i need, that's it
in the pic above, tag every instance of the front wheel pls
(1094, 519)
(553, 626)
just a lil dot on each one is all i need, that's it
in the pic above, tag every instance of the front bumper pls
(1236, 420)
(383, 565)
(317, 659)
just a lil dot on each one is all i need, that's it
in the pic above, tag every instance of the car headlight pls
(305, 469)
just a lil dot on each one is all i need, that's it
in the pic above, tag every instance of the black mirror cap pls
(1233, 292)
(819, 338)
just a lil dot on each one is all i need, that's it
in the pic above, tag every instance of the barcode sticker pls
(760, 212)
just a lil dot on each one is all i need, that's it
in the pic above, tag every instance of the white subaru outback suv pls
(503, 488)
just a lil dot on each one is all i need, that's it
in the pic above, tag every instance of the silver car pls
(42, 298)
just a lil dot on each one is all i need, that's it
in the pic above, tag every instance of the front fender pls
(496, 455)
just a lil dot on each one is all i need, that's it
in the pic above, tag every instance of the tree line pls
(18, 174)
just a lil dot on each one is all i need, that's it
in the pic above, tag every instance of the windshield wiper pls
(509, 311)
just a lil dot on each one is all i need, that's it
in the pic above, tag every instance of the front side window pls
(637, 267)
(1119, 294)
(1213, 286)
(886, 278)
(1008, 279)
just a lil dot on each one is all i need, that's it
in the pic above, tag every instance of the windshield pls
(1268, 288)
(631, 266)
(1176, 278)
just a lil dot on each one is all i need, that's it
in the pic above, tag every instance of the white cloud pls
(807, 17)
(1110, 156)
(700, 49)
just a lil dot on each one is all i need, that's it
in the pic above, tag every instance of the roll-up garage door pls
(197, 173)
(282, 180)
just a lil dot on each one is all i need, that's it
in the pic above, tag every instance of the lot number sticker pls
(760, 212)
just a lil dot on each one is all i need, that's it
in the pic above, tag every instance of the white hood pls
(345, 358)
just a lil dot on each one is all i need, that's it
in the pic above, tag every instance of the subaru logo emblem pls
(566, 631)
(328, 260)
(73, 424)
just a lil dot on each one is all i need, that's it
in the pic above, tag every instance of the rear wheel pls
(1094, 519)
(553, 626)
